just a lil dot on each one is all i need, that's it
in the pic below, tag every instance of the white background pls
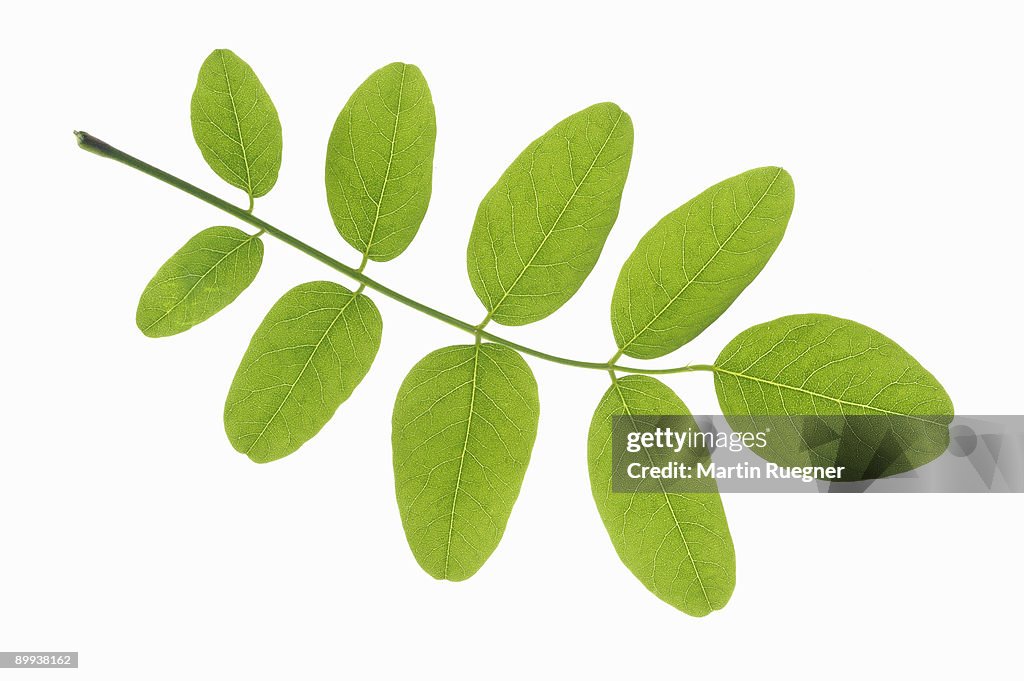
(133, 533)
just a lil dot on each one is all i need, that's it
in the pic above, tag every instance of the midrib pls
(238, 126)
(462, 460)
(391, 160)
(837, 400)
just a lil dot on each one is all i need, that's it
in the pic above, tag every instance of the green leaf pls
(236, 125)
(305, 359)
(380, 160)
(690, 267)
(198, 281)
(678, 545)
(822, 366)
(464, 423)
(540, 229)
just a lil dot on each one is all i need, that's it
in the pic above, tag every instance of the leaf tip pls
(784, 174)
(222, 51)
(612, 109)
(149, 328)
(148, 331)
(405, 66)
(779, 176)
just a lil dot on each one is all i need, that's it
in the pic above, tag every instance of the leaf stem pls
(101, 148)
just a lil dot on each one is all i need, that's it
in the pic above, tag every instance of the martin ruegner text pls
(739, 471)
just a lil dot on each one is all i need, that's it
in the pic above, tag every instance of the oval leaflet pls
(691, 266)
(539, 231)
(380, 160)
(677, 544)
(822, 366)
(236, 125)
(463, 426)
(310, 352)
(202, 278)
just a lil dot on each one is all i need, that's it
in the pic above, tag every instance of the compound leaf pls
(896, 413)
(199, 280)
(464, 423)
(539, 231)
(380, 160)
(677, 544)
(235, 124)
(310, 352)
(694, 263)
